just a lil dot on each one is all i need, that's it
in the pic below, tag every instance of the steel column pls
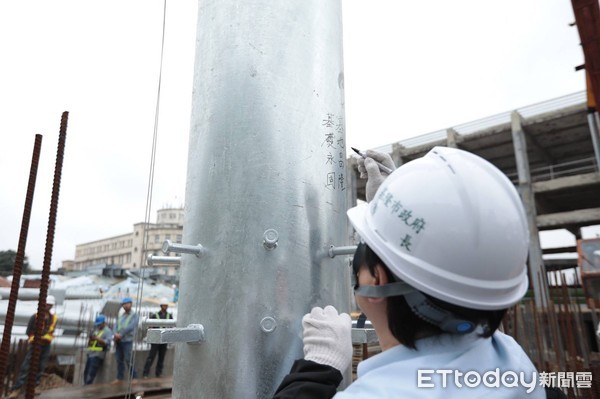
(266, 192)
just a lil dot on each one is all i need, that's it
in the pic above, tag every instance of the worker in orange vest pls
(50, 320)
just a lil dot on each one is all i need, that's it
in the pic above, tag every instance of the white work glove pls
(328, 338)
(368, 169)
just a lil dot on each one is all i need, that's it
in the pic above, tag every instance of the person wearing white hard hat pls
(442, 257)
(160, 349)
(46, 337)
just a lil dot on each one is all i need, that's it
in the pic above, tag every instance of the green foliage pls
(7, 262)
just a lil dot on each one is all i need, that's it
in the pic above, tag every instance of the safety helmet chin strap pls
(383, 291)
(420, 305)
(416, 300)
(431, 313)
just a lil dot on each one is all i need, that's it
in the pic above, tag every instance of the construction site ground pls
(54, 387)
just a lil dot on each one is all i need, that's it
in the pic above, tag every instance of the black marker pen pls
(382, 167)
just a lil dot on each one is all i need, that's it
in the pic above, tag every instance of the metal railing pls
(478, 125)
(585, 165)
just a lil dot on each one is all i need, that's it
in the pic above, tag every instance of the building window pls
(157, 238)
(179, 238)
(167, 236)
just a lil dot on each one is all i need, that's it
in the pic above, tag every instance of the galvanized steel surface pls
(364, 336)
(192, 334)
(267, 152)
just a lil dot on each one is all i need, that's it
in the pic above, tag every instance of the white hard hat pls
(50, 300)
(164, 301)
(451, 225)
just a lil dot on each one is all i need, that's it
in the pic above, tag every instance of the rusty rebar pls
(554, 337)
(569, 337)
(20, 257)
(541, 355)
(41, 312)
(584, 347)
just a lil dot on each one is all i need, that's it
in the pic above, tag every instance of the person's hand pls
(369, 170)
(117, 337)
(327, 337)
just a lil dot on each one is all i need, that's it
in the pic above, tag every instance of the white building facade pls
(130, 250)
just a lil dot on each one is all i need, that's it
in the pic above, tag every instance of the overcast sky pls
(411, 67)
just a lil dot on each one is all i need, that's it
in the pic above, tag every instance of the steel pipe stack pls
(266, 192)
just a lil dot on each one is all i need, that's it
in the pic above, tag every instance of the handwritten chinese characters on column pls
(335, 149)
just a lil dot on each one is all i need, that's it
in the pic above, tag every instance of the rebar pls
(540, 352)
(556, 341)
(20, 257)
(41, 312)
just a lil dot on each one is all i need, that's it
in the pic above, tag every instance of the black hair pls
(407, 327)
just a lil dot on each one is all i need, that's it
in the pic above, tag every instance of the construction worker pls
(98, 344)
(161, 349)
(124, 337)
(442, 257)
(49, 325)
(175, 293)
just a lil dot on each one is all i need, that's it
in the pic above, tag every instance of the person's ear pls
(380, 278)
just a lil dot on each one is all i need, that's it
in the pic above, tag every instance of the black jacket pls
(309, 380)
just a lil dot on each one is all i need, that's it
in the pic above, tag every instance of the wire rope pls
(149, 192)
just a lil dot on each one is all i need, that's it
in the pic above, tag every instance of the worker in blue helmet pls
(98, 345)
(124, 337)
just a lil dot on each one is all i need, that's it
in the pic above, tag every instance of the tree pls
(7, 262)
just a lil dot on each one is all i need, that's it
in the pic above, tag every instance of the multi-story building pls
(130, 250)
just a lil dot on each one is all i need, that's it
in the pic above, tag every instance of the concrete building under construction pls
(549, 150)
